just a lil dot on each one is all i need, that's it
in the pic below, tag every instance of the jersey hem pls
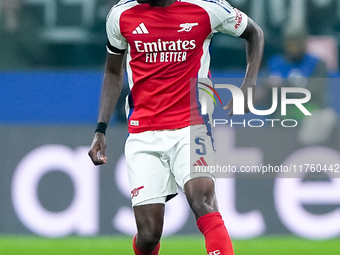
(133, 130)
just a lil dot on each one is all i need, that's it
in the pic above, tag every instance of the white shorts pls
(158, 161)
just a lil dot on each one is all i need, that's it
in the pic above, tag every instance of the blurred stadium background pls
(53, 201)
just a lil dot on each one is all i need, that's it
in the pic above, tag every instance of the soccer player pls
(166, 43)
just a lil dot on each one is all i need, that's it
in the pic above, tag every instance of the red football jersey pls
(166, 48)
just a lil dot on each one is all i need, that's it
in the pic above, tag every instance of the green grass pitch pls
(186, 245)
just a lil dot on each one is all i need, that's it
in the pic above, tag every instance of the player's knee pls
(202, 203)
(201, 207)
(149, 237)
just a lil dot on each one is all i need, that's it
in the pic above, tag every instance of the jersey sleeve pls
(116, 42)
(233, 23)
(226, 19)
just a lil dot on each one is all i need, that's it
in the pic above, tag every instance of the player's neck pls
(162, 3)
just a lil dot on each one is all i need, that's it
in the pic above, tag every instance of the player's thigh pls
(149, 176)
(195, 149)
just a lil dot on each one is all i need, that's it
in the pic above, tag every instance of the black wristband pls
(101, 128)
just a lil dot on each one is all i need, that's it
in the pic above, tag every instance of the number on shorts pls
(203, 150)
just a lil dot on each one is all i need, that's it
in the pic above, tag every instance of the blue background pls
(72, 97)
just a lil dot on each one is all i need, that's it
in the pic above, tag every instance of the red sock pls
(138, 252)
(217, 240)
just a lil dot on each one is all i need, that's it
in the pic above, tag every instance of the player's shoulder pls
(120, 7)
(212, 4)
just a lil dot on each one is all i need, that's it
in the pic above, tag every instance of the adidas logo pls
(141, 29)
(201, 162)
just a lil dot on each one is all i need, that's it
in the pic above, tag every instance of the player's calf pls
(217, 240)
(201, 197)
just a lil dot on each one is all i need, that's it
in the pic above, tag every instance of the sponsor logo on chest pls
(157, 51)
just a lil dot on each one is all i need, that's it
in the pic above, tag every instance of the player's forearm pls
(112, 86)
(254, 50)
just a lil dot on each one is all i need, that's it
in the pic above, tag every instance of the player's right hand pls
(97, 151)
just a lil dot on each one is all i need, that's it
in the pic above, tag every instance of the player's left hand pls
(244, 89)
